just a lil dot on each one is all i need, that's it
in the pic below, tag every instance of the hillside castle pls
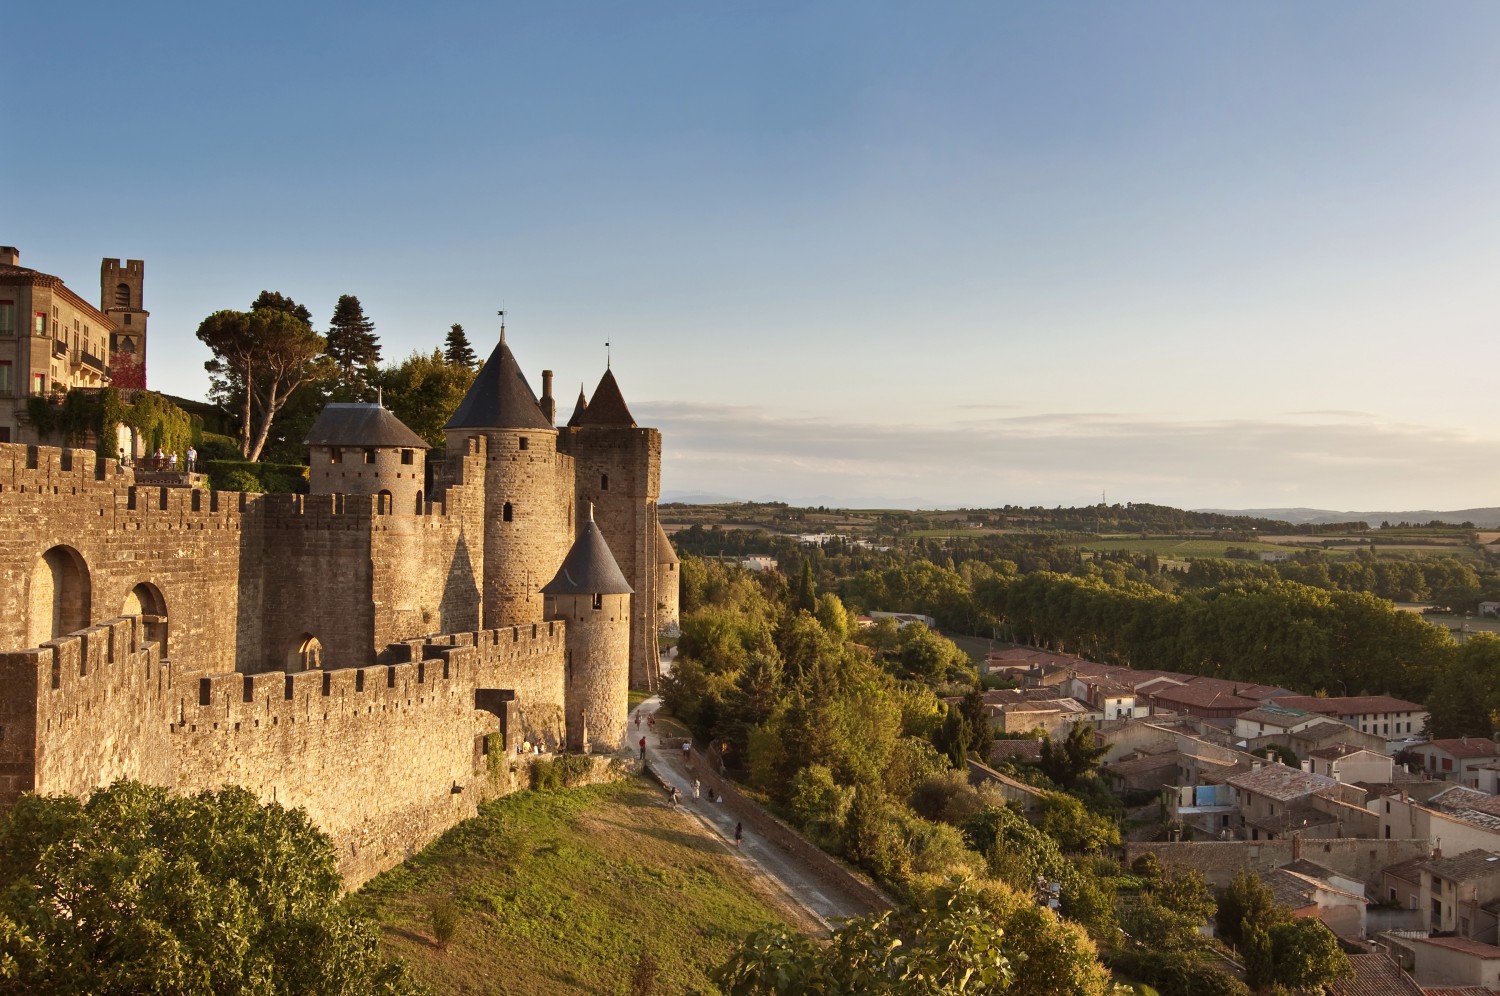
(366, 651)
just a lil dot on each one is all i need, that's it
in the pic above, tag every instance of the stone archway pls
(58, 602)
(146, 600)
(305, 654)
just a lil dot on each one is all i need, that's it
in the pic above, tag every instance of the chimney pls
(1296, 847)
(10, 256)
(549, 407)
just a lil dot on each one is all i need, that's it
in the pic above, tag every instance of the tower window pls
(524, 442)
(127, 319)
(603, 482)
(598, 601)
(335, 455)
(369, 454)
(7, 317)
(507, 513)
(406, 457)
(122, 296)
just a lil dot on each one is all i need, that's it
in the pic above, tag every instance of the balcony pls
(59, 347)
(90, 360)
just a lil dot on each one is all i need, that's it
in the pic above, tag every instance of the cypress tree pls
(458, 351)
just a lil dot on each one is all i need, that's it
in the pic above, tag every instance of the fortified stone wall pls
(597, 669)
(185, 544)
(83, 711)
(527, 522)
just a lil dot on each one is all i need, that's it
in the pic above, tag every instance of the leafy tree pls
(260, 358)
(1074, 828)
(1078, 756)
(457, 351)
(1298, 954)
(352, 345)
(1246, 901)
(424, 391)
(276, 301)
(959, 940)
(141, 891)
(977, 715)
(819, 804)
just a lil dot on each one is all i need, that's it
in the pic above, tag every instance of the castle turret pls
(591, 595)
(618, 471)
(528, 488)
(668, 582)
(363, 449)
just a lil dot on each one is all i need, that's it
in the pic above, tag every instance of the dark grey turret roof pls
(664, 552)
(578, 409)
(589, 568)
(608, 406)
(500, 398)
(360, 424)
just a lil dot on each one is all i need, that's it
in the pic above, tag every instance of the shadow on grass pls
(410, 935)
(682, 838)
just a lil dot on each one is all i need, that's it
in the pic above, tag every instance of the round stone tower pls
(528, 488)
(591, 595)
(668, 583)
(362, 449)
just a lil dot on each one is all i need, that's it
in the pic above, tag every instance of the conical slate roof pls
(579, 409)
(664, 552)
(589, 568)
(361, 424)
(608, 406)
(500, 397)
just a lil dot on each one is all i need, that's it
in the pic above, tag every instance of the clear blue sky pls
(945, 253)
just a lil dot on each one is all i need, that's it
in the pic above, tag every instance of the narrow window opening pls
(507, 514)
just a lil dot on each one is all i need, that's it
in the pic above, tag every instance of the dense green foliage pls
(424, 391)
(957, 939)
(81, 414)
(353, 347)
(141, 891)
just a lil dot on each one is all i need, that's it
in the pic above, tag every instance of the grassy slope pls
(560, 891)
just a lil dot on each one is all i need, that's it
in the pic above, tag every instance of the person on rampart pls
(192, 459)
(156, 459)
(172, 462)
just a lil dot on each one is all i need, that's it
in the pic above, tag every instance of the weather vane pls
(606, 354)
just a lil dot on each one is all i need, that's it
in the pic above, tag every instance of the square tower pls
(120, 297)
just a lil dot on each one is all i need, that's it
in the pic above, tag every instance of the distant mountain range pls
(1485, 518)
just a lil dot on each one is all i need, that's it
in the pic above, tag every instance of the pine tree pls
(458, 351)
(277, 301)
(351, 341)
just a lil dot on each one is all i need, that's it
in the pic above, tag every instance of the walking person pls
(643, 748)
(739, 833)
(695, 790)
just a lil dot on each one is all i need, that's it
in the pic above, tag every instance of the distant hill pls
(1485, 518)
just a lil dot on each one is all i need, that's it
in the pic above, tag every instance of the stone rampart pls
(82, 711)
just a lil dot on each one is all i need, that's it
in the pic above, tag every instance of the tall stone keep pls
(618, 471)
(593, 598)
(121, 297)
(528, 519)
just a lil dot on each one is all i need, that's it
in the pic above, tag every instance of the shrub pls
(562, 771)
(443, 916)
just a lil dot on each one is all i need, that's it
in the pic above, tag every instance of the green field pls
(562, 892)
(1176, 547)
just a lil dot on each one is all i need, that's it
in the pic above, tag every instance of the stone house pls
(1382, 715)
(1345, 763)
(1308, 893)
(1273, 801)
(1454, 892)
(52, 340)
(1462, 819)
(1455, 961)
(1457, 760)
(1270, 720)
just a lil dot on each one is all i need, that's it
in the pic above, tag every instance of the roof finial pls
(501, 313)
(591, 511)
(380, 396)
(606, 354)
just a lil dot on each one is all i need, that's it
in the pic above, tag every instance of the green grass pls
(636, 696)
(560, 892)
(1176, 547)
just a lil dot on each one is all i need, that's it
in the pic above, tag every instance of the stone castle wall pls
(597, 670)
(527, 521)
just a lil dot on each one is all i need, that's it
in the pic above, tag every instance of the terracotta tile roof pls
(1319, 732)
(1464, 747)
(1142, 765)
(1477, 949)
(1348, 705)
(1026, 750)
(1461, 867)
(1375, 975)
(1409, 870)
(1335, 751)
(1272, 716)
(1461, 991)
(1283, 784)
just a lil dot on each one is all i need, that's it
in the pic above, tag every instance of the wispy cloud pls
(1354, 461)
